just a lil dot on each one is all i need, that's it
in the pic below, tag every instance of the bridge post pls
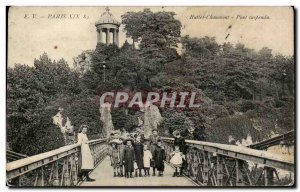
(197, 165)
(269, 176)
(239, 175)
(220, 170)
(205, 168)
(39, 180)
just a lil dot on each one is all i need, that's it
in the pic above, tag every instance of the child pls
(180, 142)
(147, 158)
(159, 157)
(128, 158)
(177, 159)
(118, 140)
(114, 154)
(121, 149)
(139, 153)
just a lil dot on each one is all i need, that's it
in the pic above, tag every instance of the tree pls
(82, 63)
(81, 109)
(230, 73)
(152, 29)
(200, 47)
(174, 121)
(265, 53)
(281, 75)
(127, 69)
(158, 34)
(29, 112)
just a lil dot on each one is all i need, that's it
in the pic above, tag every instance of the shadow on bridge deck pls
(103, 174)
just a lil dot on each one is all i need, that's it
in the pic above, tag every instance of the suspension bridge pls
(209, 164)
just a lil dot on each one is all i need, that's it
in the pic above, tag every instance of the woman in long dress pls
(87, 161)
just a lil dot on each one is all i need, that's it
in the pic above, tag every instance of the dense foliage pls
(34, 95)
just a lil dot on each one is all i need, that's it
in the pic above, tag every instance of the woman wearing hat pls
(87, 161)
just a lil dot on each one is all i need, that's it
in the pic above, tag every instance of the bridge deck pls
(103, 174)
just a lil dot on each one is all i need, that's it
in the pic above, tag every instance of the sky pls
(35, 30)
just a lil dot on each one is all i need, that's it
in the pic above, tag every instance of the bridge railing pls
(13, 156)
(54, 168)
(207, 164)
(215, 164)
(286, 139)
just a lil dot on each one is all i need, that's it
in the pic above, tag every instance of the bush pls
(84, 109)
(174, 121)
(218, 111)
(247, 105)
(238, 126)
(37, 135)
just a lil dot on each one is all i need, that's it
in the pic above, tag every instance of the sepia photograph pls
(150, 96)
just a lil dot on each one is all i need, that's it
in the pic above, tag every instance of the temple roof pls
(107, 17)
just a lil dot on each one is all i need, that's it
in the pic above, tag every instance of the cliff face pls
(108, 127)
(65, 126)
(82, 63)
(152, 119)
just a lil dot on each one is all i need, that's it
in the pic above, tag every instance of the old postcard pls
(150, 97)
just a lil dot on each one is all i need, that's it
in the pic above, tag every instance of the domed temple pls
(107, 28)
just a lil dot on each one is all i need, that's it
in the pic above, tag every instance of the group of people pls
(133, 154)
(137, 154)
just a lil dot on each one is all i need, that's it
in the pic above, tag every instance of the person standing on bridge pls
(114, 154)
(159, 157)
(176, 159)
(128, 158)
(119, 139)
(180, 142)
(153, 140)
(87, 161)
(139, 153)
(147, 159)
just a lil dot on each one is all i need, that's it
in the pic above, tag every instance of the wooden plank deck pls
(103, 174)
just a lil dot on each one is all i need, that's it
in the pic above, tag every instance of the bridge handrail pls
(272, 141)
(69, 149)
(243, 153)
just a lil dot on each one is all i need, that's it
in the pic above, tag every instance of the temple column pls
(115, 36)
(107, 36)
(99, 33)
